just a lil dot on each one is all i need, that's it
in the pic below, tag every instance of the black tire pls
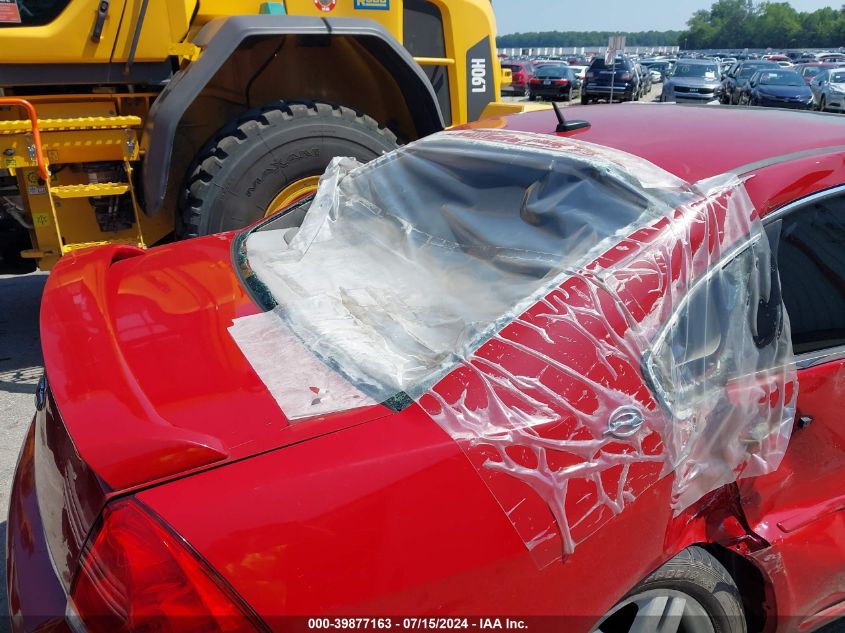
(13, 240)
(569, 95)
(250, 161)
(532, 97)
(822, 104)
(584, 99)
(695, 574)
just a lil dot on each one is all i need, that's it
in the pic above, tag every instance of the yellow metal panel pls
(66, 39)
(90, 190)
(434, 61)
(500, 109)
(46, 238)
(165, 24)
(67, 248)
(391, 19)
(81, 123)
(465, 24)
(155, 39)
(65, 107)
(73, 146)
(211, 9)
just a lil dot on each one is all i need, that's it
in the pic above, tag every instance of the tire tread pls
(211, 160)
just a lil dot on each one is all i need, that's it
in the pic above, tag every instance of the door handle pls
(100, 21)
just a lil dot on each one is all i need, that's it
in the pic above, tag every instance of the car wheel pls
(693, 592)
(532, 96)
(268, 158)
(569, 95)
(584, 99)
(823, 105)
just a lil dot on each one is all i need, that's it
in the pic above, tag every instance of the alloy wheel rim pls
(657, 611)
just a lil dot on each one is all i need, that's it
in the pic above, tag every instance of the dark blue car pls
(777, 88)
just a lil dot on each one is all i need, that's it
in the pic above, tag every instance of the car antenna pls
(567, 126)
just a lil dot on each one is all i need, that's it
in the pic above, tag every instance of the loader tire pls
(241, 173)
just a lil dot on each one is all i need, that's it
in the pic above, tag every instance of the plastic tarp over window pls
(580, 321)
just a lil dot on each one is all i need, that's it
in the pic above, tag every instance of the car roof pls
(694, 142)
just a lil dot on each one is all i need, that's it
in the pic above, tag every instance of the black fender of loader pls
(203, 85)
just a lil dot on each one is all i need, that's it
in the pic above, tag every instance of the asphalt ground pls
(21, 367)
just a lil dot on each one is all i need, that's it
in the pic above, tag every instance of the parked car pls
(658, 69)
(580, 71)
(523, 73)
(619, 79)
(809, 71)
(829, 90)
(780, 88)
(514, 374)
(645, 79)
(737, 77)
(555, 82)
(832, 57)
(692, 80)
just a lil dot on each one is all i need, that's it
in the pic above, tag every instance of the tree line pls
(727, 24)
(584, 39)
(746, 24)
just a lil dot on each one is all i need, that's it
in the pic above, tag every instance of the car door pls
(746, 96)
(817, 85)
(800, 508)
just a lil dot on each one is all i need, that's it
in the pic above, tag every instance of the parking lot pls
(20, 368)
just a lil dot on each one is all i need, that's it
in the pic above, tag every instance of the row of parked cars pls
(626, 78)
(813, 85)
(756, 82)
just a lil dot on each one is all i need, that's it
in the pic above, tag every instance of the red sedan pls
(593, 376)
(522, 74)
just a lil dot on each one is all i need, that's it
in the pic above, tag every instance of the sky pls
(517, 16)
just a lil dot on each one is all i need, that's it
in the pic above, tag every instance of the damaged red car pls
(577, 374)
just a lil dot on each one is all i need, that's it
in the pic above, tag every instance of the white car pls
(580, 71)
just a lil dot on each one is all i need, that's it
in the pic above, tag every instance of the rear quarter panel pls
(391, 518)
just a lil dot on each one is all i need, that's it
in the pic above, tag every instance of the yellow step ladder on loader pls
(59, 200)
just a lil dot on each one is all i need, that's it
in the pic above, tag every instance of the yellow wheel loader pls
(134, 121)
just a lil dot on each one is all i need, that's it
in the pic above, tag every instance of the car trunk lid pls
(143, 370)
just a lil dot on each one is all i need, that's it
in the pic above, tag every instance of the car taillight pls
(626, 77)
(535, 82)
(561, 82)
(137, 575)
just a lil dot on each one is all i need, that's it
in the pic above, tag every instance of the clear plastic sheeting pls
(578, 320)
